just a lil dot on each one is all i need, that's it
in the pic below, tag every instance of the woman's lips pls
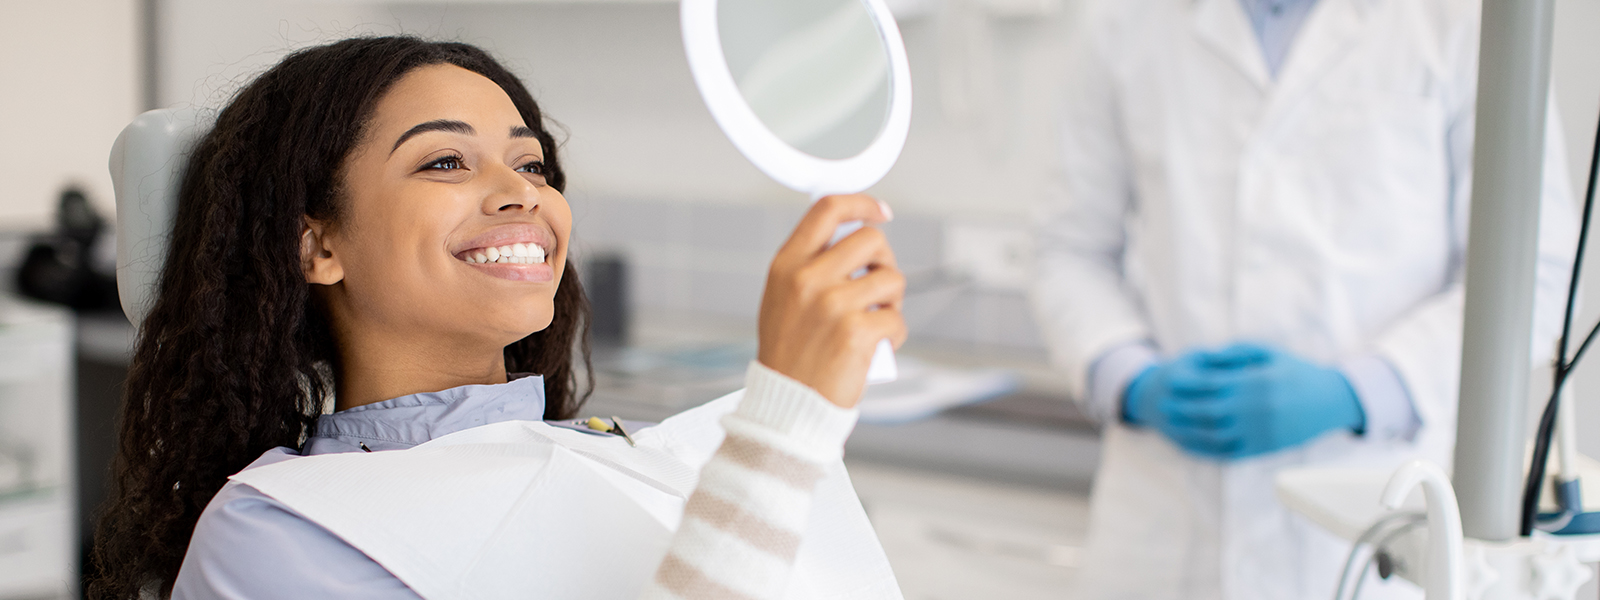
(527, 234)
(516, 252)
(534, 273)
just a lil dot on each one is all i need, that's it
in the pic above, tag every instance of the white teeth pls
(516, 254)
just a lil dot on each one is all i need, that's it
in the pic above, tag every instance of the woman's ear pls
(318, 261)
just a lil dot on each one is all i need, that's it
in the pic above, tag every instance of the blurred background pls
(975, 467)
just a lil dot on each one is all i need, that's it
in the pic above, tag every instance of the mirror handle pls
(884, 369)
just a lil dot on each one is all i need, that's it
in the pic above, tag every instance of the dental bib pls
(523, 509)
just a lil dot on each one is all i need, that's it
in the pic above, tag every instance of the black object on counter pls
(605, 281)
(59, 266)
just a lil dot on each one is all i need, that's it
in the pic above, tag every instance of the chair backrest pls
(147, 163)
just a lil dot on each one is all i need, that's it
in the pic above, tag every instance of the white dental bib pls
(523, 509)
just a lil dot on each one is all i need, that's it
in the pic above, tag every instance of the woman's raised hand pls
(819, 323)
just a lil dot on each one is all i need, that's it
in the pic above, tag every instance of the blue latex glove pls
(1147, 400)
(1241, 401)
(1145, 396)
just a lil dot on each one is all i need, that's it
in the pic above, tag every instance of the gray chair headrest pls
(147, 163)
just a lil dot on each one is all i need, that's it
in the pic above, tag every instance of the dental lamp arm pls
(1446, 567)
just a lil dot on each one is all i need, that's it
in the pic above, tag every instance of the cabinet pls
(37, 512)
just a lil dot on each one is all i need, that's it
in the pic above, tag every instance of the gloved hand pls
(1148, 398)
(1241, 401)
(1143, 401)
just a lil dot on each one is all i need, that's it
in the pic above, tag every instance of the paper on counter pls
(924, 390)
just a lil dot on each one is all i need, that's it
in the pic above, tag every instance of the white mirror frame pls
(702, 42)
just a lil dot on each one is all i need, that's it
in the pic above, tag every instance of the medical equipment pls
(816, 93)
(1502, 554)
(1379, 535)
(1558, 408)
(63, 266)
(1570, 517)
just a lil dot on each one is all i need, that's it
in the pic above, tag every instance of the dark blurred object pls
(59, 266)
(605, 281)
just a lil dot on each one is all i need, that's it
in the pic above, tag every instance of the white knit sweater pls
(741, 526)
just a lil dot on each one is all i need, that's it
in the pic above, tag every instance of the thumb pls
(1193, 380)
(1235, 356)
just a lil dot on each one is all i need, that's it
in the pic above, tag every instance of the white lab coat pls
(1200, 201)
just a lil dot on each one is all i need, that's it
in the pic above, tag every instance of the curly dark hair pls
(236, 357)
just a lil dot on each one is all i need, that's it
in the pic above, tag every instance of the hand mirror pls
(816, 93)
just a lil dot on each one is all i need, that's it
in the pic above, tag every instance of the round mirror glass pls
(815, 72)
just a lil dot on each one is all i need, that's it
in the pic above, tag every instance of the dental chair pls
(147, 164)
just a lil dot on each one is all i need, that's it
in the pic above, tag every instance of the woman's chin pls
(524, 328)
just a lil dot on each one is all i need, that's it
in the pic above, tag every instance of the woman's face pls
(449, 226)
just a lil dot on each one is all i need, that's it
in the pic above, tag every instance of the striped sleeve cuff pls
(791, 415)
(742, 527)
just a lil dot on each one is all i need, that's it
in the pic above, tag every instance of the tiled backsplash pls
(713, 258)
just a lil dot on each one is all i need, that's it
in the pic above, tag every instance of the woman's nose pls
(511, 192)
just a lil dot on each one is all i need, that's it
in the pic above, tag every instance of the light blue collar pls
(403, 422)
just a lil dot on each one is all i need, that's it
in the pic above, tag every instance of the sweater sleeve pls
(741, 526)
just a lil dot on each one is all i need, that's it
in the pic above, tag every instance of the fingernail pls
(888, 215)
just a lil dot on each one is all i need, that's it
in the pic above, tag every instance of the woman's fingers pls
(880, 288)
(826, 309)
(886, 324)
(816, 229)
(867, 248)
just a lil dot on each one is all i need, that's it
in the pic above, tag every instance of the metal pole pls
(1513, 82)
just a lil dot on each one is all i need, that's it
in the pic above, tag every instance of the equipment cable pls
(1378, 548)
(1563, 365)
(1406, 521)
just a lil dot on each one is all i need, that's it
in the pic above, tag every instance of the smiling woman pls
(464, 176)
(380, 222)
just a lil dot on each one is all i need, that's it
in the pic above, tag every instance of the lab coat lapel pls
(1324, 39)
(1223, 26)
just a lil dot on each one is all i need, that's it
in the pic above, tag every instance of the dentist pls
(1252, 260)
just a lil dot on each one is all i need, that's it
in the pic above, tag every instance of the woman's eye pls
(448, 163)
(535, 167)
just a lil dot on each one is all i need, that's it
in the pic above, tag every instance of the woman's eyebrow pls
(522, 131)
(460, 127)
